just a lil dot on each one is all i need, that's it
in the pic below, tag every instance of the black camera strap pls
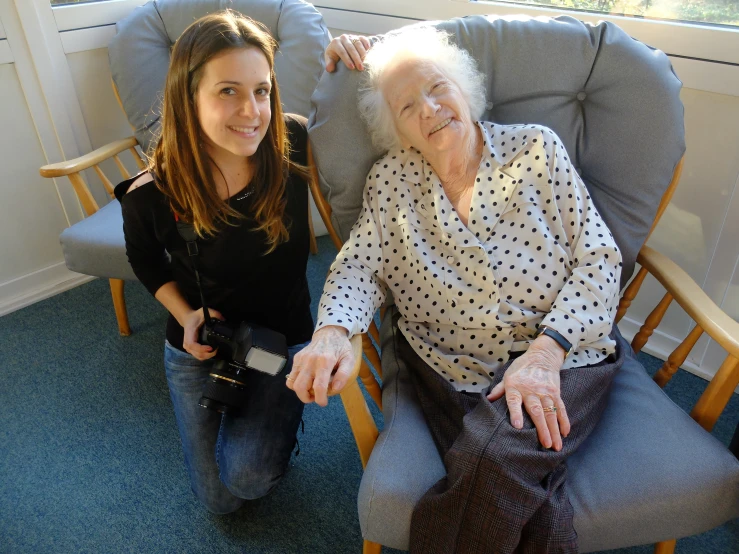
(188, 234)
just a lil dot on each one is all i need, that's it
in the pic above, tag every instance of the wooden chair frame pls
(73, 169)
(709, 319)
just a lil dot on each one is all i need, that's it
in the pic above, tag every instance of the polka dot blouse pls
(534, 251)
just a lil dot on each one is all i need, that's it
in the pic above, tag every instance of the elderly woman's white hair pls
(423, 43)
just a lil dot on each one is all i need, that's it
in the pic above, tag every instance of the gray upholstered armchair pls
(139, 59)
(649, 472)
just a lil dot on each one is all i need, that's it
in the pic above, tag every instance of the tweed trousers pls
(503, 492)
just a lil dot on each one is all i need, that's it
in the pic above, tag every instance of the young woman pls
(232, 165)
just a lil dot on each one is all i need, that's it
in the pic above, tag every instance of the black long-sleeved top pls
(238, 279)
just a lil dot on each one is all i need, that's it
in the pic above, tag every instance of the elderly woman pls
(506, 281)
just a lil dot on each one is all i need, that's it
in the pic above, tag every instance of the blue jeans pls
(233, 459)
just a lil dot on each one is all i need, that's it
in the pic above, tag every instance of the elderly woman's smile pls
(428, 108)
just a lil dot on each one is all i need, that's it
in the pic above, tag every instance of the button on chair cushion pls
(614, 102)
(647, 473)
(139, 53)
(95, 245)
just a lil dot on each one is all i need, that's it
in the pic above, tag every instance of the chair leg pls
(371, 548)
(665, 547)
(313, 242)
(119, 303)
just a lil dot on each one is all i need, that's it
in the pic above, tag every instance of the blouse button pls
(450, 259)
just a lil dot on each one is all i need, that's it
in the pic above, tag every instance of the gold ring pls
(289, 378)
(550, 409)
(355, 40)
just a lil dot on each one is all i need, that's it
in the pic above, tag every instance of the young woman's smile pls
(233, 102)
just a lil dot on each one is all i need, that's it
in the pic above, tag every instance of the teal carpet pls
(90, 459)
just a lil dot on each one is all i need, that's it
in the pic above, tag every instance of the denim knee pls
(250, 483)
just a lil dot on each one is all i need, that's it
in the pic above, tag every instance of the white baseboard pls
(39, 285)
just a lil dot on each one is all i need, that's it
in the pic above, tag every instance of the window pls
(65, 2)
(721, 12)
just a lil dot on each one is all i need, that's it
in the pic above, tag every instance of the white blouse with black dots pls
(535, 251)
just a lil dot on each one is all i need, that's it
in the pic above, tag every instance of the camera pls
(241, 348)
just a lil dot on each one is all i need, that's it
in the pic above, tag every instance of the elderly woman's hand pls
(313, 366)
(351, 49)
(533, 380)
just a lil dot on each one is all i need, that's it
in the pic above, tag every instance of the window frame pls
(705, 57)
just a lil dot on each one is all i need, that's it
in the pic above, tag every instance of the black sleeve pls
(145, 252)
(297, 132)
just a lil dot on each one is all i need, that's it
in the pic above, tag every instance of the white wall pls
(56, 96)
(31, 211)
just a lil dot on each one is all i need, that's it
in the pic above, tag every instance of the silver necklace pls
(245, 195)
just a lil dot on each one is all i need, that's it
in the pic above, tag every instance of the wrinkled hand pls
(533, 380)
(351, 49)
(329, 350)
(192, 325)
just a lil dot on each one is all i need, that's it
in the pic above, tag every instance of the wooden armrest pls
(356, 342)
(714, 321)
(88, 160)
(357, 412)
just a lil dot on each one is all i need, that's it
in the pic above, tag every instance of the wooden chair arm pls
(714, 321)
(360, 419)
(76, 165)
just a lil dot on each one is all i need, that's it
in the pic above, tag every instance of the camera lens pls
(225, 391)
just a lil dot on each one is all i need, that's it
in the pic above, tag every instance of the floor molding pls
(37, 286)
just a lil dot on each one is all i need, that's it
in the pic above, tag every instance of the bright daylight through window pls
(723, 12)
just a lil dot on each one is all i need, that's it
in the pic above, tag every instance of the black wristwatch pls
(558, 338)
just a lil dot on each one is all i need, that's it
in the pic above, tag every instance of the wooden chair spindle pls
(106, 182)
(137, 158)
(370, 383)
(717, 394)
(677, 358)
(83, 193)
(122, 168)
(374, 332)
(371, 352)
(651, 323)
(630, 293)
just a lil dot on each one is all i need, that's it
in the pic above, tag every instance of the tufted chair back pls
(648, 472)
(613, 100)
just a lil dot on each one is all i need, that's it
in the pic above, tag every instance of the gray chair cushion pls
(613, 101)
(95, 245)
(139, 59)
(139, 53)
(647, 473)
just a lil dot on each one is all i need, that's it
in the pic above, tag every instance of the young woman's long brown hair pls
(180, 161)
